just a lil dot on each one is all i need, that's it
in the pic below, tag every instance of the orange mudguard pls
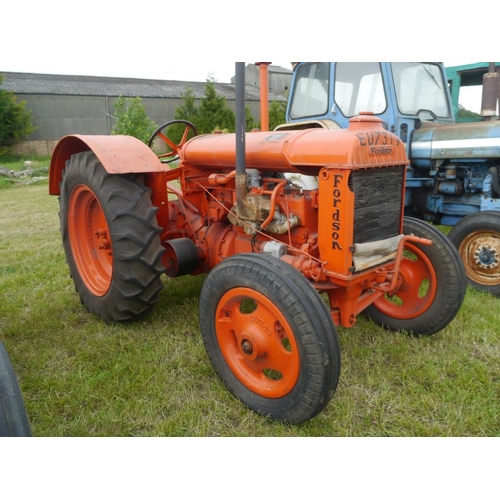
(119, 154)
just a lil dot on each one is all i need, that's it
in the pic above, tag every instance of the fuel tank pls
(364, 142)
(457, 141)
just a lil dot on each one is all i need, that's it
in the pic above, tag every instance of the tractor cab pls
(402, 94)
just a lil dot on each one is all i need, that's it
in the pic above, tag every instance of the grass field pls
(82, 377)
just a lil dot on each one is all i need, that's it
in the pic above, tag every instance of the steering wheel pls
(174, 153)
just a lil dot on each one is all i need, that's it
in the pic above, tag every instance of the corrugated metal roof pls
(33, 83)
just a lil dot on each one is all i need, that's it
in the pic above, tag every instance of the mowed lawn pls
(82, 377)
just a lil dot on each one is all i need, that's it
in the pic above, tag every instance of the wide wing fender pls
(119, 154)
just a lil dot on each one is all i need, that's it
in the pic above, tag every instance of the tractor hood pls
(307, 151)
(459, 140)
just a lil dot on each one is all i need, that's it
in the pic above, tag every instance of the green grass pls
(82, 377)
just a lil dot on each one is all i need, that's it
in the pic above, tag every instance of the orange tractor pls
(299, 232)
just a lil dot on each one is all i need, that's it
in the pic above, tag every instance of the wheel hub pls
(486, 257)
(102, 237)
(246, 347)
(481, 255)
(90, 240)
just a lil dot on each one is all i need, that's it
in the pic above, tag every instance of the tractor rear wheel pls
(111, 239)
(432, 285)
(477, 239)
(269, 337)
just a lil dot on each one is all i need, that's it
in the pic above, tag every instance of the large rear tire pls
(13, 418)
(477, 239)
(432, 285)
(269, 337)
(111, 239)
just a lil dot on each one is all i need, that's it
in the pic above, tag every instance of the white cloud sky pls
(190, 41)
(128, 39)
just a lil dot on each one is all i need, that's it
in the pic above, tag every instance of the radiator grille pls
(378, 202)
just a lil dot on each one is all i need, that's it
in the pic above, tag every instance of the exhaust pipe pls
(241, 176)
(491, 93)
(264, 99)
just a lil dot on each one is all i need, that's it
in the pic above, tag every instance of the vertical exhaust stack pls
(240, 117)
(264, 99)
(241, 176)
(249, 208)
(491, 93)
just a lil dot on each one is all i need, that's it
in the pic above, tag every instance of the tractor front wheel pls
(111, 239)
(431, 285)
(269, 337)
(477, 239)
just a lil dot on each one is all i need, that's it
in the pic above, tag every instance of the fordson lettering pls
(336, 222)
(382, 150)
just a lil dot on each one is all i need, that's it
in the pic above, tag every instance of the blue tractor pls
(453, 178)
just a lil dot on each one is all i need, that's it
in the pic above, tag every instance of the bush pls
(277, 114)
(131, 119)
(15, 120)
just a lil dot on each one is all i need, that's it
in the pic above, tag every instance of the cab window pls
(310, 94)
(359, 87)
(420, 90)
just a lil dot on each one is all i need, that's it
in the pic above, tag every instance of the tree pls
(188, 111)
(214, 113)
(249, 121)
(277, 114)
(466, 114)
(15, 119)
(131, 119)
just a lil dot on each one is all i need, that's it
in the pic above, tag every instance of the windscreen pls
(359, 87)
(420, 89)
(310, 94)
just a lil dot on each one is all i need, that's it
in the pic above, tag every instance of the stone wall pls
(39, 148)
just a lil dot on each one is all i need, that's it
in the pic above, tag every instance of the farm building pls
(64, 104)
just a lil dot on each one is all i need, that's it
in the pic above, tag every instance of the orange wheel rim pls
(257, 342)
(417, 287)
(480, 253)
(90, 240)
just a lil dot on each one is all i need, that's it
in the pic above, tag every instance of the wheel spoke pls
(169, 143)
(175, 148)
(184, 137)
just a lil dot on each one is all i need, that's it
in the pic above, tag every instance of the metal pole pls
(241, 176)
(240, 117)
(264, 95)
